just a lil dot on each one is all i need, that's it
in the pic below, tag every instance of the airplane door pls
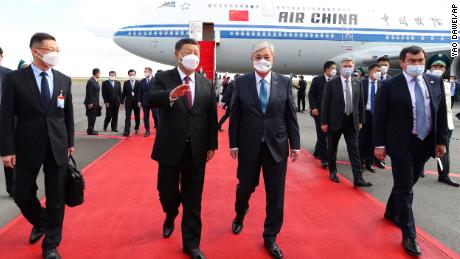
(195, 31)
(268, 9)
(347, 37)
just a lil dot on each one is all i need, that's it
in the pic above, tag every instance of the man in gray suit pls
(9, 179)
(343, 113)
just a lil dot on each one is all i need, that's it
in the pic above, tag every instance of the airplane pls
(305, 33)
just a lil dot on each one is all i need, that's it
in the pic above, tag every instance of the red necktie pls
(188, 94)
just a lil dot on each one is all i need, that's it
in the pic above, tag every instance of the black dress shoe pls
(380, 164)
(51, 254)
(35, 235)
(105, 128)
(168, 227)
(333, 177)
(370, 168)
(220, 129)
(324, 164)
(195, 253)
(136, 131)
(237, 224)
(115, 130)
(361, 183)
(422, 174)
(126, 134)
(147, 133)
(446, 179)
(274, 250)
(411, 246)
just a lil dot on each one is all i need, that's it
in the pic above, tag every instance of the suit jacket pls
(144, 90)
(92, 92)
(365, 83)
(3, 72)
(177, 122)
(302, 88)
(36, 127)
(227, 95)
(315, 94)
(111, 94)
(393, 117)
(248, 123)
(130, 95)
(333, 104)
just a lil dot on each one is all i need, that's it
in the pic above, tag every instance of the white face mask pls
(346, 71)
(51, 58)
(377, 75)
(437, 72)
(262, 65)
(190, 62)
(415, 70)
(333, 72)
(132, 77)
(452, 80)
(384, 69)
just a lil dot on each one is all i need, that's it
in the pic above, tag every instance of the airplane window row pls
(409, 37)
(282, 34)
(303, 8)
(233, 6)
(158, 33)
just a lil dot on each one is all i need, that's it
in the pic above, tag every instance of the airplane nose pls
(118, 38)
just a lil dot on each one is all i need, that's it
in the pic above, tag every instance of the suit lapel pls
(32, 85)
(175, 76)
(273, 91)
(405, 92)
(429, 85)
(198, 91)
(340, 90)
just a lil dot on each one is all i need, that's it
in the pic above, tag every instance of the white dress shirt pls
(426, 95)
(344, 86)
(38, 78)
(368, 105)
(268, 81)
(191, 82)
(327, 77)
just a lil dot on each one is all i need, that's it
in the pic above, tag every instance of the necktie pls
(132, 82)
(372, 96)
(348, 104)
(263, 95)
(381, 78)
(148, 80)
(188, 94)
(420, 116)
(45, 91)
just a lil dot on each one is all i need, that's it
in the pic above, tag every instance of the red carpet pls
(122, 216)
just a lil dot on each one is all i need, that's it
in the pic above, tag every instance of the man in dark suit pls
(92, 101)
(186, 139)
(384, 63)
(315, 97)
(226, 99)
(111, 93)
(410, 125)
(301, 92)
(9, 172)
(129, 98)
(40, 98)
(263, 124)
(144, 88)
(342, 112)
(366, 135)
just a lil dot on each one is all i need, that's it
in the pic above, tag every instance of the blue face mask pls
(415, 70)
(346, 71)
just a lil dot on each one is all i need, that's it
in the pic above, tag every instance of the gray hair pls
(347, 60)
(262, 45)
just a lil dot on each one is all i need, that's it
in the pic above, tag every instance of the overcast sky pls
(84, 30)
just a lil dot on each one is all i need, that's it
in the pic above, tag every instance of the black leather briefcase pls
(75, 185)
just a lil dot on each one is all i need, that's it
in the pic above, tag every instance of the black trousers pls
(406, 172)
(224, 118)
(301, 100)
(321, 140)
(111, 115)
(183, 183)
(49, 219)
(9, 179)
(155, 115)
(366, 140)
(351, 139)
(445, 160)
(274, 179)
(129, 109)
(92, 115)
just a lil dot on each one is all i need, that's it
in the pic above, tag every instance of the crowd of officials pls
(407, 116)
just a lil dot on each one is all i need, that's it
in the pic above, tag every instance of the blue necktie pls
(420, 120)
(263, 95)
(45, 91)
(372, 96)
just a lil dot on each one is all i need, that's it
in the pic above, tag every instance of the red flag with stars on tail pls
(239, 15)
